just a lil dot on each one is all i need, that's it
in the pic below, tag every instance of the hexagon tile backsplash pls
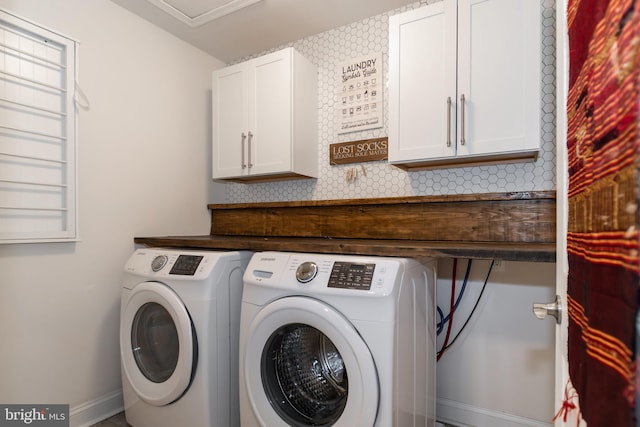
(379, 179)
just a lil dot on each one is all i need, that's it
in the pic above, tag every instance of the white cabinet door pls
(499, 62)
(464, 83)
(422, 78)
(265, 122)
(230, 121)
(270, 115)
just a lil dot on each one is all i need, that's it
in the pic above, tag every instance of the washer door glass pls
(158, 344)
(304, 364)
(305, 373)
(154, 340)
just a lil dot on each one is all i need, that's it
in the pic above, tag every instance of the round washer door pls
(306, 365)
(157, 343)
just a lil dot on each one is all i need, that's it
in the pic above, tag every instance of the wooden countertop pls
(411, 249)
(505, 226)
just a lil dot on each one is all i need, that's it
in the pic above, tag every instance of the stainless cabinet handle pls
(462, 141)
(249, 148)
(448, 121)
(244, 165)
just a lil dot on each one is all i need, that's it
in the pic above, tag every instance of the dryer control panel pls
(175, 264)
(348, 275)
(186, 265)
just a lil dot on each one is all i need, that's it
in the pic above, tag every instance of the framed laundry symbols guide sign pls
(359, 90)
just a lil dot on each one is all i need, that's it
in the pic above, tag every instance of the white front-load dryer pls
(179, 330)
(336, 340)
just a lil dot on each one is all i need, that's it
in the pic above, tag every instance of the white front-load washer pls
(179, 330)
(337, 340)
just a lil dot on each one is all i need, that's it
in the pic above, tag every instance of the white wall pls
(143, 170)
(500, 371)
(328, 50)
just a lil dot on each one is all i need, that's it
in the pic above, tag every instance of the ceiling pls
(214, 27)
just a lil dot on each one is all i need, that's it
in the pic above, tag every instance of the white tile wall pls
(330, 48)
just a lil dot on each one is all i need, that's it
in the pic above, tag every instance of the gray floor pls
(117, 420)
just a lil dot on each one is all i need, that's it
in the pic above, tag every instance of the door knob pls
(551, 309)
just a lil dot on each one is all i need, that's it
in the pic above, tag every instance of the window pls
(37, 134)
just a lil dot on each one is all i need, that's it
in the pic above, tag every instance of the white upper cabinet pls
(465, 83)
(265, 119)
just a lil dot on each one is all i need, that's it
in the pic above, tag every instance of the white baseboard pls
(96, 410)
(464, 415)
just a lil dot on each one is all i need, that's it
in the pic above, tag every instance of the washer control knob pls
(306, 271)
(159, 262)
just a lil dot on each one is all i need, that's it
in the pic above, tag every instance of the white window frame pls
(38, 129)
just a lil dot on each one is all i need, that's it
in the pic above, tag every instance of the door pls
(422, 83)
(230, 121)
(564, 417)
(270, 116)
(305, 364)
(601, 336)
(499, 78)
(158, 346)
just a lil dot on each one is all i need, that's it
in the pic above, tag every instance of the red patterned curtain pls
(603, 102)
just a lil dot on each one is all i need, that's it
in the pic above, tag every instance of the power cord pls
(446, 345)
(444, 319)
(451, 309)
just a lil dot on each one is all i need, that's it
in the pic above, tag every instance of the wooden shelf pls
(405, 248)
(506, 226)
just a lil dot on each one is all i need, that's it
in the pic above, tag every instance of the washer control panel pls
(348, 275)
(166, 263)
(324, 273)
(186, 265)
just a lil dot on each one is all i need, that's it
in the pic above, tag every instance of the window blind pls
(37, 133)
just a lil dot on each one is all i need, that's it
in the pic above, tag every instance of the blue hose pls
(444, 319)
